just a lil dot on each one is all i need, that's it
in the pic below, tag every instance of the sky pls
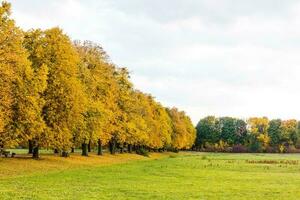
(206, 57)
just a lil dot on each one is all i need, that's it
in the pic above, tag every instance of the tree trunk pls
(99, 147)
(84, 149)
(72, 150)
(30, 147)
(89, 146)
(64, 154)
(121, 148)
(134, 148)
(35, 152)
(129, 148)
(56, 151)
(137, 148)
(112, 146)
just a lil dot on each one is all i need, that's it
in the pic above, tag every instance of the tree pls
(22, 104)
(159, 124)
(97, 76)
(122, 111)
(65, 101)
(183, 132)
(274, 132)
(228, 129)
(259, 133)
(137, 132)
(10, 49)
(208, 131)
(289, 135)
(240, 132)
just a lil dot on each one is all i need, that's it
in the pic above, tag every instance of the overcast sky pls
(207, 57)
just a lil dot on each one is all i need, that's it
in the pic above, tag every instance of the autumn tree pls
(21, 104)
(289, 132)
(159, 124)
(65, 101)
(258, 129)
(97, 76)
(183, 132)
(12, 58)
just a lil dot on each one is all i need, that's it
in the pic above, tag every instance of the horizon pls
(204, 57)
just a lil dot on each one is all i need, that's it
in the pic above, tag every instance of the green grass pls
(190, 176)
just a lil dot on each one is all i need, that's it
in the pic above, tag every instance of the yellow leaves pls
(288, 128)
(183, 131)
(259, 128)
(258, 125)
(281, 148)
(264, 139)
(59, 94)
(17, 99)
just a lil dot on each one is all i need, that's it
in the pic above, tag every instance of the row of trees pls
(59, 94)
(257, 134)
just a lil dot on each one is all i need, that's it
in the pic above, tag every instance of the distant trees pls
(257, 134)
(61, 95)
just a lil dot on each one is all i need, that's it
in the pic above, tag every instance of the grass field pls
(162, 176)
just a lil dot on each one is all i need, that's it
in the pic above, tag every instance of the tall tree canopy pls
(183, 132)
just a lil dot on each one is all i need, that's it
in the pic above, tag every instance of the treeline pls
(257, 134)
(61, 95)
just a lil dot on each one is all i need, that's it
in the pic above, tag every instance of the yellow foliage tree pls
(183, 134)
(258, 127)
(97, 75)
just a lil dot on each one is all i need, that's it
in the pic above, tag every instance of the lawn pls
(166, 176)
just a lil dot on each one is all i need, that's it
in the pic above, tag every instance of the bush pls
(271, 150)
(143, 152)
(221, 146)
(239, 149)
(174, 150)
(255, 147)
(292, 149)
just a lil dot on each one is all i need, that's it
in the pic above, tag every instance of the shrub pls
(281, 148)
(255, 146)
(292, 149)
(175, 150)
(270, 150)
(239, 149)
(143, 152)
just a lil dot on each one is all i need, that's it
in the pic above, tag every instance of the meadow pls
(184, 175)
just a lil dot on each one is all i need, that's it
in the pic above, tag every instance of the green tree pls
(228, 129)
(274, 132)
(240, 132)
(208, 131)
